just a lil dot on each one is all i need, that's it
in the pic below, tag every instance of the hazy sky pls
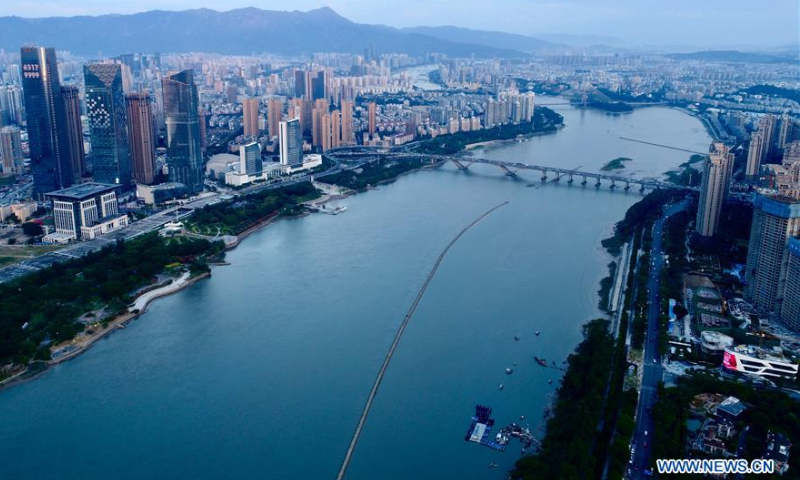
(714, 23)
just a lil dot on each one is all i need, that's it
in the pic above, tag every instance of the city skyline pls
(625, 24)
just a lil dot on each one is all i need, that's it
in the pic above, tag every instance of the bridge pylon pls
(570, 179)
(584, 182)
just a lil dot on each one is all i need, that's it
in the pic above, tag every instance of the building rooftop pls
(83, 191)
(731, 406)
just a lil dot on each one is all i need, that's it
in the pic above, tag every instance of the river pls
(262, 370)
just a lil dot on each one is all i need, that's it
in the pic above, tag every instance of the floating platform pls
(480, 429)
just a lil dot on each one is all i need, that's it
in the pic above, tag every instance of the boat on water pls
(501, 386)
(537, 333)
(336, 211)
(541, 361)
(493, 464)
(516, 338)
(509, 371)
(550, 382)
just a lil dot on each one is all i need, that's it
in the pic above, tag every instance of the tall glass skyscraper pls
(108, 123)
(291, 143)
(51, 164)
(184, 143)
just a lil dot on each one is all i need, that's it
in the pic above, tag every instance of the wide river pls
(261, 371)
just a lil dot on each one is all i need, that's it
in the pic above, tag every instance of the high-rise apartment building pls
(714, 189)
(184, 143)
(108, 123)
(769, 125)
(755, 154)
(51, 165)
(10, 150)
(348, 137)
(371, 118)
(274, 114)
(72, 112)
(775, 221)
(291, 143)
(141, 133)
(321, 108)
(790, 308)
(250, 159)
(786, 132)
(250, 117)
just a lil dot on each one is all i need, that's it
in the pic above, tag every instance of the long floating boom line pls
(349, 455)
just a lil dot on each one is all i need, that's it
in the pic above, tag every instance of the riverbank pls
(83, 342)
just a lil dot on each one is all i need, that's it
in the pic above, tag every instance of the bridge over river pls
(548, 173)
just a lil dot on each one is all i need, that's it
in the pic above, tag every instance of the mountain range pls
(245, 31)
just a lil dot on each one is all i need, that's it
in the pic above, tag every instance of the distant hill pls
(584, 40)
(735, 56)
(241, 31)
(501, 40)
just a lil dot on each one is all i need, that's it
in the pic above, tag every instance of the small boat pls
(493, 464)
(522, 417)
(501, 386)
(541, 361)
(550, 382)
(509, 371)
(537, 333)
(516, 338)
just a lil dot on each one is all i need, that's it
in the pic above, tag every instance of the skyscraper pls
(319, 86)
(141, 133)
(10, 150)
(182, 115)
(72, 112)
(714, 189)
(347, 123)
(51, 165)
(768, 125)
(108, 123)
(250, 159)
(299, 83)
(274, 113)
(371, 118)
(326, 131)
(250, 114)
(291, 143)
(775, 221)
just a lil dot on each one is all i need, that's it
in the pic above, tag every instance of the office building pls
(714, 189)
(10, 150)
(141, 133)
(299, 83)
(72, 112)
(51, 165)
(775, 221)
(790, 308)
(250, 159)
(250, 117)
(84, 211)
(319, 86)
(291, 143)
(108, 123)
(274, 114)
(184, 142)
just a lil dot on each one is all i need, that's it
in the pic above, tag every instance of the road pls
(140, 227)
(652, 369)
